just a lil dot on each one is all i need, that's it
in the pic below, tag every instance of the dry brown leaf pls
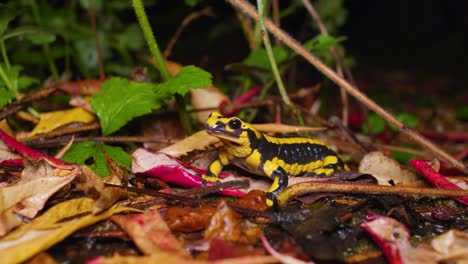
(48, 229)
(32, 191)
(206, 98)
(452, 246)
(386, 169)
(150, 233)
(92, 184)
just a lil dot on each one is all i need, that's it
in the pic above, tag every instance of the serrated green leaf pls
(5, 97)
(188, 77)
(120, 101)
(377, 124)
(119, 155)
(92, 154)
(259, 58)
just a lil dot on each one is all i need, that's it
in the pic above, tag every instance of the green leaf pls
(462, 113)
(120, 101)
(7, 13)
(259, 58)
(92, 154)
(12, 75)
(34, 34)
(188, 77)
(322, 42)
(333, 13)
(407, 119)
(377, 124)
(119, 155)
(5, 97)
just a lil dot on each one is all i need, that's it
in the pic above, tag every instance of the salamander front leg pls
(212, 175)
(280, 181)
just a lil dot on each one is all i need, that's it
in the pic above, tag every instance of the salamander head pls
(230, 130)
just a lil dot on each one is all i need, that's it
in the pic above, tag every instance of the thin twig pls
(315, 187)
(207, 11)
(55, 142)
(339, 66)
(298, 48)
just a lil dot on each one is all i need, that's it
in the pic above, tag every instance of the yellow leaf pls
(52, 120)
(35, 239)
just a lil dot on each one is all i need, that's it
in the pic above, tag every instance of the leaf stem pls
(299, 49)
(6, 80)
(158, 57)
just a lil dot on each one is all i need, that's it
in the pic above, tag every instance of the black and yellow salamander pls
(261, 154)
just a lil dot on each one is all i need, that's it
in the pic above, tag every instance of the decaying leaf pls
(52, 120)
(281, 257)
(150, 233)
(387, 170)
(452, 246)
(28, 196)
(393, 238)
(32, 154)
(93, 185)
(188, 219)
(437, 179)
(229, 225)
(49, 229)
(171, 170)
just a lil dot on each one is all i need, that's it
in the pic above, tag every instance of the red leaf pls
(436, 178)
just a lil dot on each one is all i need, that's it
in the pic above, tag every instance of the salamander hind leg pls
(280, 181)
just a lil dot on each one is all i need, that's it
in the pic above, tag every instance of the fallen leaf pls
(92, 184)
(452, 246)
(32, 154)
(171, 170)
(188, 219)
(33, 191)
(386, 170)
(231, 226)
(150, 233)
(49, 229)
(437, 179)
(393, 238)
(206, 98)
(52, 120)
(6, 127)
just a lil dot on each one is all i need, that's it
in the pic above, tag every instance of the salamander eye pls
(234, 123)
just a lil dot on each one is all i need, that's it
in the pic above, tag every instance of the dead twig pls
(55, 142)
(298, 48)
(316, 187)
(92, 19)
(207, 11)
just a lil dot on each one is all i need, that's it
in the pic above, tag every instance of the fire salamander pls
(261, 154)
